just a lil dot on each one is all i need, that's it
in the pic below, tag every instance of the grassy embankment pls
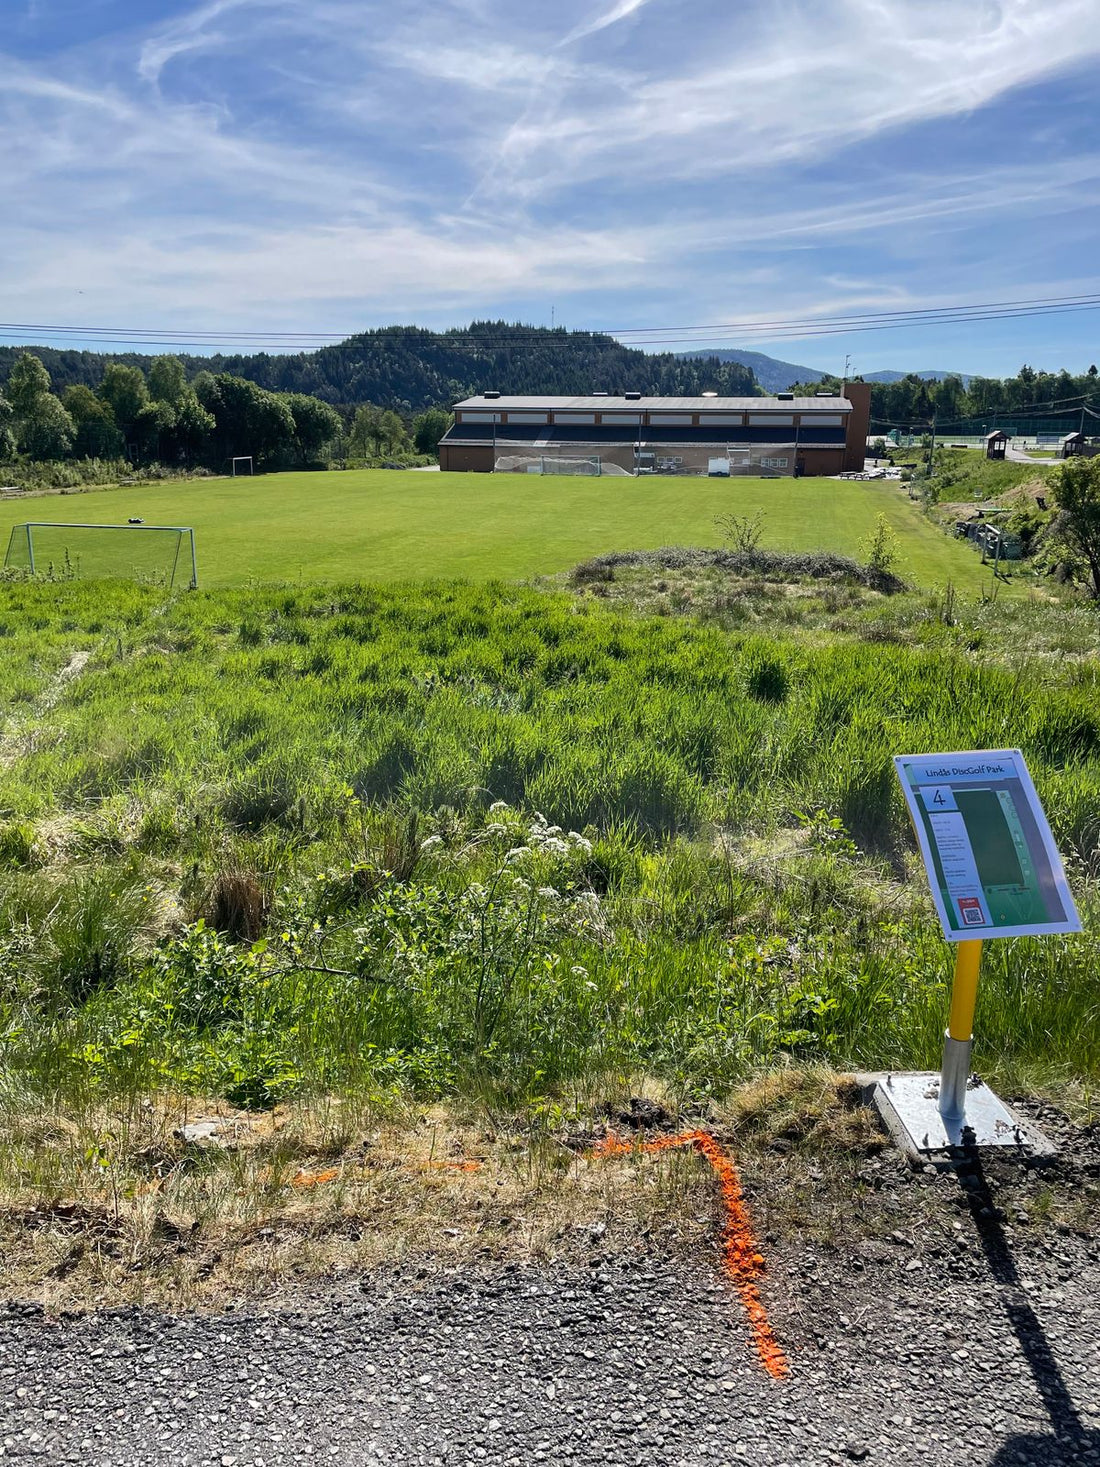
(385, 525)
(253, 855)
(966, 474)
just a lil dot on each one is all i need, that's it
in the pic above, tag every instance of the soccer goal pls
(242, 465)
(154, 554)
(587, 465)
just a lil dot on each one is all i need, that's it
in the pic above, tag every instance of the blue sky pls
(331, 165)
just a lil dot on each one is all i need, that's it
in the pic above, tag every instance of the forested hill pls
(410, 369)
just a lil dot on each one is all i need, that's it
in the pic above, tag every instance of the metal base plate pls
(909, 1106)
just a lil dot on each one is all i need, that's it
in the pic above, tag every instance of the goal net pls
(241, 465)
(160, 555)
(522, 463)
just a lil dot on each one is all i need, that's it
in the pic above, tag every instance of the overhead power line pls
(700, 336)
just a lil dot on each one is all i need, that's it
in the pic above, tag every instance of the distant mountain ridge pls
(964, 377)
(410, 369)
(776, 375)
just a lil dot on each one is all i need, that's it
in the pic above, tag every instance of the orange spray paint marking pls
(314, 1179)
(742, 1260)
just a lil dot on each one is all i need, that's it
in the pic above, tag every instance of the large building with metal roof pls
(783, 435)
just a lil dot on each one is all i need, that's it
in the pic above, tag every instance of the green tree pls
(48, 432)
(1077, 495)
(29, 381)
(377, 433)
(317, 426)
(248, 420)
(167, 379)
(97, 436)
(193, 429)
(41, 426)
(205, 387)
(123, 390)
(429, 428)
(7, 437)
(151, 431)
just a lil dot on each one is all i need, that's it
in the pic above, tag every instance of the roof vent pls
(710, 394)
(490, 394)
(784, 397)
(633, 396)
(601, 394)
(824, 394)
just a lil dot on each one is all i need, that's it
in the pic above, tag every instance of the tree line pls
(409, 370)
(977, 404)
(159, 416)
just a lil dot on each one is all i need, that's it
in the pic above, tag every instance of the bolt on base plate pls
(909, 1105)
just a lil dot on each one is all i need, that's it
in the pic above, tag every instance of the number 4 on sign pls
(938, 798)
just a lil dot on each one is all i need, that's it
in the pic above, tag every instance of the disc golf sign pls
(991, 860)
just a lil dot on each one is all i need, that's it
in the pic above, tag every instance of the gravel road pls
(967, 1336)
(622, 1363)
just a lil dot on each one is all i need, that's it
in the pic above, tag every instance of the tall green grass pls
(489, 836)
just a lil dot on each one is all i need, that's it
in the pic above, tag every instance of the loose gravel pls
(954, 1328)
(896, 1358)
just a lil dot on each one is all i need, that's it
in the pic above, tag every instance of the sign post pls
(994, 871)
(959, 1040)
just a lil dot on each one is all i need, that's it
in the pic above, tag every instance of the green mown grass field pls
(379, 525)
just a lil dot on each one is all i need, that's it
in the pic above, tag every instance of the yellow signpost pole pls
(959, 1039)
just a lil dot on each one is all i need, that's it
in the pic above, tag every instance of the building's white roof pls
(617, 404)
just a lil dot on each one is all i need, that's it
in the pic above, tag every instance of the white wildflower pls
(498, 805)
(517, 853)
(578, 971)
(430, 843)
(551, 893)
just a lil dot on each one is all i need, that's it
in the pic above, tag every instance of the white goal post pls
(245, 458)
(150, 553)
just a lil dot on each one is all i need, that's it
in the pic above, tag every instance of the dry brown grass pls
(114, 1207)
(109, 1209)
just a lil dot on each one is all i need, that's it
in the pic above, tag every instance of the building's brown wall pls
(818, 461)
(857, 427)
(468, 458)
(694, 458)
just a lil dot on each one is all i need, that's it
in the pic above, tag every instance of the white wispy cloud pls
(348, 162)
(189, 33)
(619, 11)
(798, 82)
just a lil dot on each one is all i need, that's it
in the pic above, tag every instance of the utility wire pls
(651, 336)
